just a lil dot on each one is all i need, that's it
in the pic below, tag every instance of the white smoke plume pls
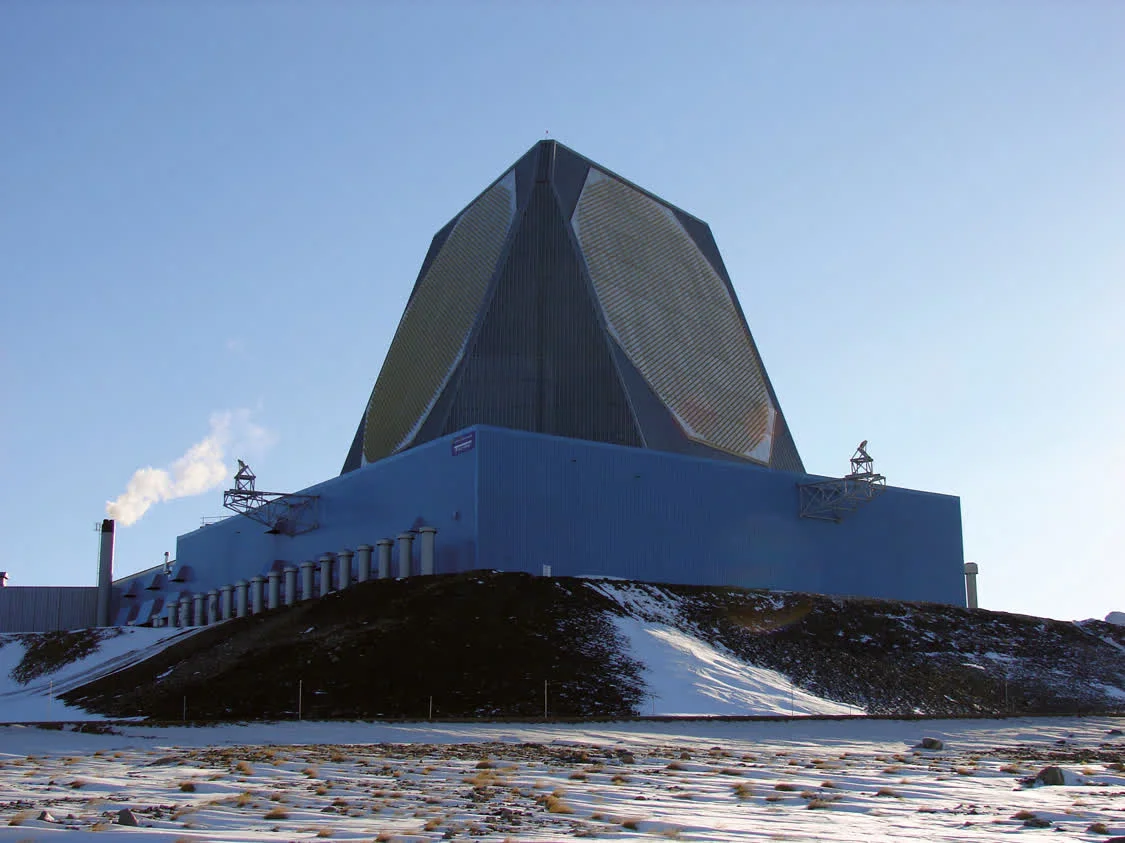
(200, 470)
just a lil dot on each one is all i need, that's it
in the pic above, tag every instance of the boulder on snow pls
(1116, 618)
(931, 743)
(1051, 776)
(47, 817)
(127, 817)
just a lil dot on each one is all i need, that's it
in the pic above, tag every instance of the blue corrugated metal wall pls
(588, 508)
(424, 486)
(47, 608)
(518, 501)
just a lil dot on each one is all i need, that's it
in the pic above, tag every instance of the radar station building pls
(573, 390)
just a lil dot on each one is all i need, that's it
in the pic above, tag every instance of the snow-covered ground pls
(38, 700)
(685, 675)
(848, 780)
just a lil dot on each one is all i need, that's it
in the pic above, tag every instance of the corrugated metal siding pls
(424, 486)
(433, 331)
(540, 359)
(47, 608)
(675, 317)
(585, 508)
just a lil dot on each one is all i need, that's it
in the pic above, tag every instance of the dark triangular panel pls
(525, 175)
(539, 360)
(569, 176)
(435, 247)
(658, 427)
(355, 452)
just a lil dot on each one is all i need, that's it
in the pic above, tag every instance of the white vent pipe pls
(240, 589)
(363, 562)
(325, 575)
(212, 606)
(426, 542)
(384, 558)
(290, 586)
(226, 602)
(256, 584)
(307, 579)
(344, 569)
(197, 609)
(971, 571)
(405, 553)
(185, 610)
(274, 589)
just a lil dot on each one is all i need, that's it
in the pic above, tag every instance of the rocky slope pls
(483, 644)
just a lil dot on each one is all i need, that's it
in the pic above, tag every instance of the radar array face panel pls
(565, 300)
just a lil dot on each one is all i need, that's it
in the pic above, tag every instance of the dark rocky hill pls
(483, 644)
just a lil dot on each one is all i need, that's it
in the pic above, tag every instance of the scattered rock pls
(1114, 732)
(46, 817)
(931, 743)
(127, 817)
(1036, 822)
(1051, 776)
(627, 758)
(1060, 742)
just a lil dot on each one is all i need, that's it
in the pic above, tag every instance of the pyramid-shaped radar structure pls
(566, 300)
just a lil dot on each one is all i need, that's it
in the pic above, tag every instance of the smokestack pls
(105, 573)
(3, 579)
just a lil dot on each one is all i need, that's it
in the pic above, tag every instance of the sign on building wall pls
(464, 443)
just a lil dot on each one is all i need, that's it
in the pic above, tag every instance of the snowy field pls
(843, 780)
(37, 700)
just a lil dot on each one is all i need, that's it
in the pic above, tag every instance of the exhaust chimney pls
(971, 571)
(105, 573)
(3, 579)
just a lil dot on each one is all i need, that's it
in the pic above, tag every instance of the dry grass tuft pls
(21, 818)
(244, 767)
(1023, 815)
(818, 804)
(886, 791)
(278, 813)
(1097, 828)
(555, 805)
(743, 790)
(784, 786)
(187, 787)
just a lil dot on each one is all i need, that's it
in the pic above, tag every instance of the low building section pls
(513, 501)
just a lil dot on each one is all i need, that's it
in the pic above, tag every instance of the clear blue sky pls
(214, 206)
